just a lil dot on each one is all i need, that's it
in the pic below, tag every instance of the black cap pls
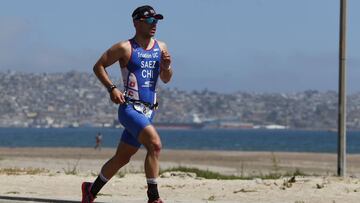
(145, 12)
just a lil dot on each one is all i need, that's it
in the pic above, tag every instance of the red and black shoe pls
(87, 197)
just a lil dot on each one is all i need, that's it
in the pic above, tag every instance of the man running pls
(142, 60)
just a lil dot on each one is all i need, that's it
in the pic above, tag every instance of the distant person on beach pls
(98, 141)
(142, 60)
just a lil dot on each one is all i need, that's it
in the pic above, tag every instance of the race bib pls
(143, 109)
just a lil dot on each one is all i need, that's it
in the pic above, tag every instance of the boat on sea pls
(194, 123)
(178, 125)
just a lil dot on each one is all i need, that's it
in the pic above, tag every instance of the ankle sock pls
(98, 184)
(152, 192)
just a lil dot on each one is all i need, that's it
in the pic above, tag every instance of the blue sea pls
(202, 139)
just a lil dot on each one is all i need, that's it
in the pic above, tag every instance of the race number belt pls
(142, 107)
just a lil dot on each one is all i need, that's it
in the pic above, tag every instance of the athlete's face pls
(146, 26)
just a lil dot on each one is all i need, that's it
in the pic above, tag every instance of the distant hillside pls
(74, 98)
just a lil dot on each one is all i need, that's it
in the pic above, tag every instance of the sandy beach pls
(57, 173)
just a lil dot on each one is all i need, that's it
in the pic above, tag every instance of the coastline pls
(226, 162)
(60, 171)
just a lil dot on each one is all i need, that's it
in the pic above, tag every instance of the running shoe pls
(87, 197)
(156, 201)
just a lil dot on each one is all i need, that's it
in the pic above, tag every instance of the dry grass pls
(72, 170)
(23, 171)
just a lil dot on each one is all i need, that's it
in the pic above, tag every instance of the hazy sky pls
(229, 45)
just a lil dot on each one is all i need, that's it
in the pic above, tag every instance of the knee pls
(151, 140)
(155, 148)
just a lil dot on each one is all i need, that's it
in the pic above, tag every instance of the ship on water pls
(194, 123)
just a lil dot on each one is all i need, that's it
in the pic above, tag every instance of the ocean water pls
(209, 139)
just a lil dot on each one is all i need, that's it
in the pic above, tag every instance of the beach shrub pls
(202, 173)
(72, 170)
(215, 175)
(23, 171)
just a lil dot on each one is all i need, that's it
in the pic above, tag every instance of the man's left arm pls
(165, 64)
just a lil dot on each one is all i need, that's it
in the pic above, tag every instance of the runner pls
(142, 60)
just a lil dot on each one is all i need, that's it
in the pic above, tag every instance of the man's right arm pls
(112, 55)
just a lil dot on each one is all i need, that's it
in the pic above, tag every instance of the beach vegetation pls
(207, 174)
(201, 173)
(12, 192)
(121, 173)
(72, 170)
(103, 194)
(23, 171)
(297, 172)
(211, 198)
(278, 174)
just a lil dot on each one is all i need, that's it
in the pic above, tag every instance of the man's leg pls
(151, 140)
(122, 157)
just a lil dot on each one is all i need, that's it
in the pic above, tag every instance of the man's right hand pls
(117, 96)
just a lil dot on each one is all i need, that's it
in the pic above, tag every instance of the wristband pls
(110, 88)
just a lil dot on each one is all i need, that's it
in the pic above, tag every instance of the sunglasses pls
(150, 20)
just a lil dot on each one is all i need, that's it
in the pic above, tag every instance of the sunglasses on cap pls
(150, 20)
